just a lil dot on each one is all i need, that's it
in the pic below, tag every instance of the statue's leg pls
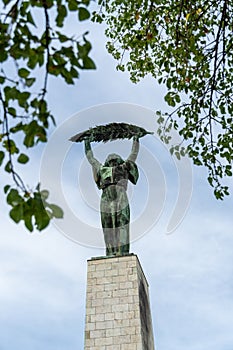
(123, 219)
(124, 239)
(109, 251)
(109, 230)
(108, 241)
(114, 231)
(106, 221)
(115, 217)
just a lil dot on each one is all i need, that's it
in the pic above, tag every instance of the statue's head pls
(113, 160)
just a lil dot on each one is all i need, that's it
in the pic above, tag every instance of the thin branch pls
(213, 80)
(17, 179)
(47, 40)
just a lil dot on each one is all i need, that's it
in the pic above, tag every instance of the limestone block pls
(117, 306)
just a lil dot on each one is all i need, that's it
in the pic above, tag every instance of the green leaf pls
(56, 211)
(23, 72)
(17, 213)
(12, 111)
(72, 4)
(42, 219)
(34, 133)
(6, 2)
(10, 146)
(88, 63)
(2, 155)
(13, 197)
(197, 161)
(6, 188)
(32, 59)
(62, 13)
(83, 14)
(28, 222)
(228, 172)
(30, 81)
(23, 158)
(63, 38)
(23, 98)
(30, 19)
(11, 93)
(3, 56)
(8, 167)
(44, 194)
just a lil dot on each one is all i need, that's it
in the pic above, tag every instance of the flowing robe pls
(112, 178)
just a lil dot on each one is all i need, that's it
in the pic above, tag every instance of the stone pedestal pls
(117, 306)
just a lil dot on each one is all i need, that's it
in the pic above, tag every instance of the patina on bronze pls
(112, 178)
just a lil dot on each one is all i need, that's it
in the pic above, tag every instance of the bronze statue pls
(112, 178)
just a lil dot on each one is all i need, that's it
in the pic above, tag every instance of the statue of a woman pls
(112, 178)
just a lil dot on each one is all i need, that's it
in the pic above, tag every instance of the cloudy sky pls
(43, 275)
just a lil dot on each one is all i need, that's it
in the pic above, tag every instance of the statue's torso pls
(117, 175)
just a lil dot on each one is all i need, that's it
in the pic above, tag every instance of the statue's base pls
(111, 256)
(117, 307)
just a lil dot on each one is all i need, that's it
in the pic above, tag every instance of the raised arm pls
(89, 154)
(135, 149)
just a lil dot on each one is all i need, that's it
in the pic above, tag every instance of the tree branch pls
(17, 179)
(47, 41)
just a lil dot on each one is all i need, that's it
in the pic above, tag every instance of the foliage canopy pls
(188, 46)
(34, 44)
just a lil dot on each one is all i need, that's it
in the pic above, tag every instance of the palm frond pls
(110, 132)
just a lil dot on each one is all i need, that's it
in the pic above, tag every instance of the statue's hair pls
(115, 157)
